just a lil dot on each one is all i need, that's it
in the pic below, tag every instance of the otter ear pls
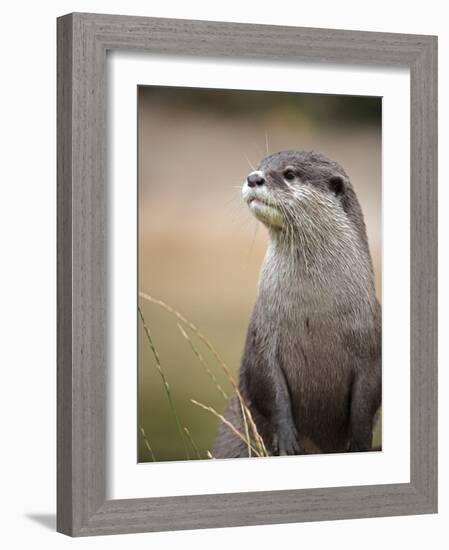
(337, 185)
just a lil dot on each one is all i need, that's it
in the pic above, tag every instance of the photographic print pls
(259, 273)
(247, 245)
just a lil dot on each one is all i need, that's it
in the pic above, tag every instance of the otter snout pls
(254, 179)
(256, 187)
(259, 197)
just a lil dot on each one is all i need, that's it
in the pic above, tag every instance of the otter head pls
(291, 188)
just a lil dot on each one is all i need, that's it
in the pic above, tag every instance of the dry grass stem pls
(194, 329)
(147, 443)
(192, 442)
(164, 380)
(258, 439)
(203, 362)
(227, 423)
(245, 425)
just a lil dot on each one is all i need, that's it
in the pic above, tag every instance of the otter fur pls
(311, 367)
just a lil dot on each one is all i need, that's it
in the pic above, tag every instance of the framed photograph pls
(247, 282)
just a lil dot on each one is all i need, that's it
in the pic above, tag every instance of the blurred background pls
(200, 250)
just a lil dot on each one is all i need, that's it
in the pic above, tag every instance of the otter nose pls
(255, 179)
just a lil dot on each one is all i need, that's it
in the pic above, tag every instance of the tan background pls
(200, 249)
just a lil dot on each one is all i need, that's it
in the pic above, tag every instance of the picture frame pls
(83, 41)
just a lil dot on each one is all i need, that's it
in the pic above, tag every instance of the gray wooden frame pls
(83, 40)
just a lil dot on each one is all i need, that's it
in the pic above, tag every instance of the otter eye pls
(289, 175)
(336, 184)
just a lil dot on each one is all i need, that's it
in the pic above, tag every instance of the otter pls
(310, 373)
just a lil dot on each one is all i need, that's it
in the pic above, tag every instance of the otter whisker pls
(253, 239)
(288, 227)
(231, 200)
(249, 162)
(241, 225)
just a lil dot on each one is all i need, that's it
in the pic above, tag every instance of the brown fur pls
(311, 368)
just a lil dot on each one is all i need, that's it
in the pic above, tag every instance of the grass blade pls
(192, 442)
(227, 423)
(164, 380)
(203, 362)
(258, 438)
(147, 443)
